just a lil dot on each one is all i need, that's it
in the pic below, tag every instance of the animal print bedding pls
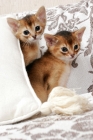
(54, 127)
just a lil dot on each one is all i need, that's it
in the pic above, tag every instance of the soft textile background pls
(11, 6)
(55, 127)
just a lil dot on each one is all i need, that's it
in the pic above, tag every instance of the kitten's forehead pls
(66, 37)
(65, 34)
(29, 19)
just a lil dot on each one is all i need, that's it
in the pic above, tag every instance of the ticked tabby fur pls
(29, 30)
(53, 68)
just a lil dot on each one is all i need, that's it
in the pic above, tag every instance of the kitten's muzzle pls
(34, 37)
(72, 55)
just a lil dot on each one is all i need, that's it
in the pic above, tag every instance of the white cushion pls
(17, 98)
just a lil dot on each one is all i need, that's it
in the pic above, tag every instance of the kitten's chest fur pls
(64, 76)
(59, 74)
(30, 51)
(47, 73)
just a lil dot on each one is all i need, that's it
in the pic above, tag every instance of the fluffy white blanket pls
(66, 102)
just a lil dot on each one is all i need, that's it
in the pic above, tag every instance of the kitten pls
(29, 30)
(53, 68)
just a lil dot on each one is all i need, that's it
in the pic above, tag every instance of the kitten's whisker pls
(25, 43)
(28, 42)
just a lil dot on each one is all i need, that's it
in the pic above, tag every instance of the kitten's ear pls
(50, 40)
(79, 33)
(41, 14)
(13, 23)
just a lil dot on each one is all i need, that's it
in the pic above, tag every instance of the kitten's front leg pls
(30, 52)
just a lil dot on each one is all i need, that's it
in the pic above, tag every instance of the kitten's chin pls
(71, 59)
(35, 40)
(32, 41)
(67, 60)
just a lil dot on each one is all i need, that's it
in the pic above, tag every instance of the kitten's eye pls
(37, 28)
(26, 32)
(64, 49)
(76, 47)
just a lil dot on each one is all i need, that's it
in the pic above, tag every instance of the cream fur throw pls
(66, 102)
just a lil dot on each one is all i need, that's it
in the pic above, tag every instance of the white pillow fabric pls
(17, 98)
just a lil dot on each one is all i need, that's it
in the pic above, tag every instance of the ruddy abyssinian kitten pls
(53, 68)
(29, 30)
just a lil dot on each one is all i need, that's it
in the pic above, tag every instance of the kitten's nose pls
(34, 36)
(72, 55)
